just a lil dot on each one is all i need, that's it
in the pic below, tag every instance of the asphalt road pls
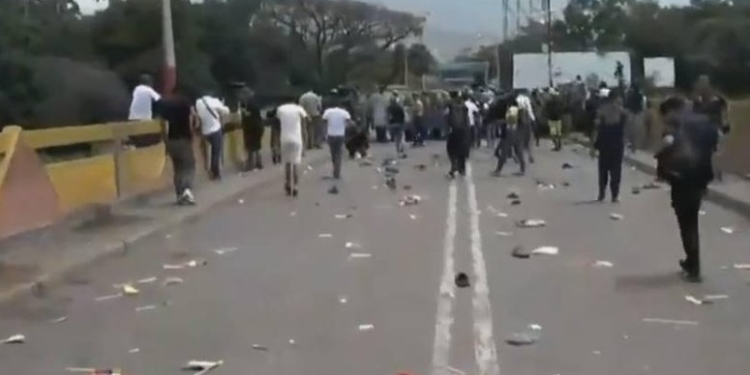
(319, 310)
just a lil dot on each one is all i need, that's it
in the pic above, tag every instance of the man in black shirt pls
(707, 102)
(458, 143)
(685, 163)
(397, 121)
(178, 113)
(252, 130)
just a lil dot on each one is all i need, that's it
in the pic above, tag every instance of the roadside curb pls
(124, 244)
(722, 199)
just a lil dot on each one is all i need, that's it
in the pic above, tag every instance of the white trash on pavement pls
(15, 339)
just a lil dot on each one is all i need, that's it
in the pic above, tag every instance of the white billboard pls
(659, 71)
(530, 69)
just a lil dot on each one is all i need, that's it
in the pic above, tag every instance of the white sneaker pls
(188, 197)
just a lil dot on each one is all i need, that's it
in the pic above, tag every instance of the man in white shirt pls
(142, 104)
(473, 111)
(211, 111)
(313, 105)
(337, 119)
(526, 124)
(379, 103)
(292, 118)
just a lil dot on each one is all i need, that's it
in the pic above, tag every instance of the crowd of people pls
(510, 123)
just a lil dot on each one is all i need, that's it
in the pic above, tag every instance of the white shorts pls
(291, 152)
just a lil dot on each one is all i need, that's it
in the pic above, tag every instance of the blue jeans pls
(215, 142)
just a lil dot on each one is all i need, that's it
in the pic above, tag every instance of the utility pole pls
(170, 64)
(504, 40)
(548, 4)
(518, 17)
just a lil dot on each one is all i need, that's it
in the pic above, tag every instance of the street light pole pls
(170, 65)
(548, 4)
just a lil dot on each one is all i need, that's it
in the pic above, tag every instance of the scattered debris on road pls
(413, 217)
(241, 201)
(189, 264)
(515, 202)
(727, 230)
(343, 300)
(145, 308)
(504, 234)
(352, 245)
(708, 299)
(421, 167)
(169, 281)
(741, 266)
(545, 250)
(15, 339)
(615, 216)
(531, 223)
(260, 348)
(201, 366)
(366, 327)
(603, 264)
(410, 200)
(94, 371)
(513, 195)
(325, 235)
(545, 187)
(58, 320)
(360, 255)
(520, 252)
(651, 186)
(108, 297)
(567, 166)
(147, 280)
(225, 250)
(671, 321)
(462, 280)
(390, 182)
(134, 351)
(333, 190)
(344, 216)
(528, 337)
(636, 190)
(407, 187)
(129, 290)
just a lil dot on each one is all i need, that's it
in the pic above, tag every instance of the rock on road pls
(319, 310)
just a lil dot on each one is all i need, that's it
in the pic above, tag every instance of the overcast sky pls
(466, 16)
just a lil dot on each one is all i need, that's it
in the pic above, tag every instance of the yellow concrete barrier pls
(80, 183)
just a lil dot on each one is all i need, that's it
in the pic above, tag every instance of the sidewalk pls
(733, 193)
(28, 263)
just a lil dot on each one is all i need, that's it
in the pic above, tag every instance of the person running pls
(397, 121)
(292, 118)
(459, 134)
(685, 162)
(511, 143)
(554, 114)
(610, 143)
(178, 113)
(338, 120)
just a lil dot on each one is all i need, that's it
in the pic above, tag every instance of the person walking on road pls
(178, 113)
(338, 120)
(609, 141)
(511, 142)
(715, 107)
(211, 112)
(418, 120)
(685, 162)
(474, 119)
(635, 103)
(313, 105)
(526, 124)
(379, 113)
(252, 130)
(554, 112)
(459, 134)
(292, 118)
(397, 121)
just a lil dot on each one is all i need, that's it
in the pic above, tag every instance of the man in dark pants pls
(511, 142)
(459, 136)
(252, 130)
(690, 141)
(179, 115)
(610, 142)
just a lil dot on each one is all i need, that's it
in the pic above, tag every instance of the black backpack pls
(458, 115)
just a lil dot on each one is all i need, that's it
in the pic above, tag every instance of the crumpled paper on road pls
(531, 223)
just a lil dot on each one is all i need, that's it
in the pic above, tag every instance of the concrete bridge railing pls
(49, 174)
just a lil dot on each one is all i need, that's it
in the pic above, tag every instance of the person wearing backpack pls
(459, 134)
(211, 112)
(609, 141)
(511, 140)
(685, 162)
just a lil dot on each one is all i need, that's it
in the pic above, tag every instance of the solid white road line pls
(485, 349)
(444, 318)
